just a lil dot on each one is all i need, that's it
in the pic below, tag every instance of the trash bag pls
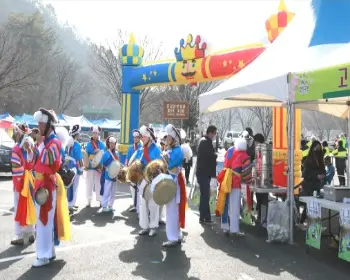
(278, 221)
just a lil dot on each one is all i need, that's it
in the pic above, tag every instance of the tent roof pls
(6, 117)
(107, 124)
(264, 82)
(82, 121)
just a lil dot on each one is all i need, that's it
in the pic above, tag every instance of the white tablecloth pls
(332, 205)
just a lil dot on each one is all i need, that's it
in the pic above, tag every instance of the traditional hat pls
(95, 128)
(21, 128)
(241, 144)
(75, 130)
(46, 116)
(136, 133)
(110, 139)
(173, 131)
(148, 132)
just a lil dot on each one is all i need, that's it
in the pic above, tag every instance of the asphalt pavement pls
(106, 246)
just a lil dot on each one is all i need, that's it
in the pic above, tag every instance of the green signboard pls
(314, 224)
(326, 83)
(344, 240)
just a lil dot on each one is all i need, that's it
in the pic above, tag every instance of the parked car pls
(6, 145)
(84, 139)
(230, 138)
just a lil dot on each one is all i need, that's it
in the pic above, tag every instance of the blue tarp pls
(108, 125)
(6, 117)
(29, 119)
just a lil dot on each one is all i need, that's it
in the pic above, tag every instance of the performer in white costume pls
(133, 188)
(48, 163)
(93, 174)
(22, 160)
(175, 156)
(149, 210)
(74, 157)
(109, 187)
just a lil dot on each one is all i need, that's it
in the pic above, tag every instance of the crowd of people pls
(45, 193)
(44, 197)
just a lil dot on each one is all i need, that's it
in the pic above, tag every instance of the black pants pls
(341, 172)
(204, 187)
(187, 167)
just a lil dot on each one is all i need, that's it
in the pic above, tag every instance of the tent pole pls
(291, 145)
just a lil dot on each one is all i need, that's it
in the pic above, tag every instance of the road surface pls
(106, 246)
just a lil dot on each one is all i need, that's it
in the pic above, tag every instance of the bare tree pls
(264, 116)
(107, 67)
(245, 117)
(221, 120)
(69, 83)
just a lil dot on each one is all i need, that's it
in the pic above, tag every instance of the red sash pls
(94, 145)
(48, 184)
(146, 154)
(114, 156)
(21, 213)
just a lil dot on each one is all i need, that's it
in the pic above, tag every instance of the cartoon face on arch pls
(189, 69)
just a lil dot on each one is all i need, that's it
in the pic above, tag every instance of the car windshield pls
(4, 137)
(235, 135)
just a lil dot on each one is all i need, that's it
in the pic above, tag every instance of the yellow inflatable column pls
(280, 147)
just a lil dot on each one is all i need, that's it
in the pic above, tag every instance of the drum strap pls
(115, 157)
(94, 145)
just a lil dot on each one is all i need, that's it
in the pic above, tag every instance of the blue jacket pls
(153, 151)
(175, 158)
(132, 150)
(90, 151)
(106, 161)
(75, 157)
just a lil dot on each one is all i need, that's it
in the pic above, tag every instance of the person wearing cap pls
(47, 165)
(74, 158)
(326, 151)
(240, 164)
(132, 149)
(22, 162)
(149, 210)
(109, 187)
(175, 209)
(93, 175)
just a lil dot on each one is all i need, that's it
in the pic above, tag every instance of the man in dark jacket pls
(206, 170)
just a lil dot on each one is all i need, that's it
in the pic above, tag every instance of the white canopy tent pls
(264, 82)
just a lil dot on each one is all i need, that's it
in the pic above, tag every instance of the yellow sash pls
(31, 213)
(63, 220)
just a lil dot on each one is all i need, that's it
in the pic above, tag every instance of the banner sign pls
(326, 83)
(314, 224)
(176, 110)
(344, 238)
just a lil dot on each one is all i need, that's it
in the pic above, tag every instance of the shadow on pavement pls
(11, 252)
(274, 259)
(149, 256)
(43, 273)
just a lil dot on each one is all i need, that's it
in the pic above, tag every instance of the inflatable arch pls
(192, 65)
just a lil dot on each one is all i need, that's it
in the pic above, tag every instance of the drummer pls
(109, 187)
(74, 157)
(132, 149)
(175, 209)
(149, 210)
(93, 175)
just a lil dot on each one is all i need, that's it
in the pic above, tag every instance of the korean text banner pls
(326, 83)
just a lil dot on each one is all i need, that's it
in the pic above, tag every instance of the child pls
(330, 171)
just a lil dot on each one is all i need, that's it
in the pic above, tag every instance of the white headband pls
(112, 140)
(136, 134)
(40, 117)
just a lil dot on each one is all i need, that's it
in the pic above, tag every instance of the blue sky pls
(222, 24)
